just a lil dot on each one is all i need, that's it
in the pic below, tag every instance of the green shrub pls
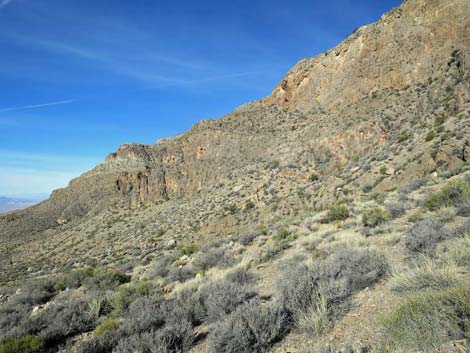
(405, 135)
(73, 279)
(128, 293)
(189, 249)
(106, 278)
(105, 326)
(25, 344)
(372, 217)
(431, 135)
(254, 327)
(453, 194)
(101, 344)
(314, 177)
(249, 205)
(425, 322)
(440, 119)
(378, 196)
(383, 170)
(336, 213)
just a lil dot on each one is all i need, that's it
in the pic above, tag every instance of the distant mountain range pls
(10, 204)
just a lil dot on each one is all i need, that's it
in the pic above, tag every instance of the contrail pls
(38, 105)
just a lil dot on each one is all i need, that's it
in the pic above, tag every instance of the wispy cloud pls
(116, 63)
(37, 106)
(140, 66)
(5, 3)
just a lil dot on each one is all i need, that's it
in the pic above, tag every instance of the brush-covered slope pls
(359, 117)
(331, 217)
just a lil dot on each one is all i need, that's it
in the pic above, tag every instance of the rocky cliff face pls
(408, 46)
(356, 117)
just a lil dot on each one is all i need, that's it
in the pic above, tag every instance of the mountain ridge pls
(326, 131)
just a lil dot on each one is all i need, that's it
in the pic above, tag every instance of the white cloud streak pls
(37, 106)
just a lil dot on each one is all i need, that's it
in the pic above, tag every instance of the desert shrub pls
(106, 278)
(101, 344)
(413, 185)
(453, 194)
(188, 249)
(424, 235)
(302, 288)
(35, 292)
(372, 217)
(396, 209)
(11, 316)
(100, 304)
(378, 196)
(143, 315)
(105, 326)
(180, 274)
(161, 341)
(128, 293)
(336, 213)
(426, 274)
(73, 279)
(283, 235)
(61, 320)
(426, 321)
(249, 205)
(210, 258)
(248, 238)
(252, 328)
(463, 208)
(161, 266)
(15, 314)
(170, 322)
(431, 135)
(189, 305)
(223, 297)
(458, 252)
(25, 344)
(241, 276)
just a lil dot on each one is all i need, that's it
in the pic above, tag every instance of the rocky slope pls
(356, 118)
(332, 216)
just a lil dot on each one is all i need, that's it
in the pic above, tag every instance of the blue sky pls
(79, 78)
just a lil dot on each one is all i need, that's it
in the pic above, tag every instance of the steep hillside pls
(333, 171)
(381, 89)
